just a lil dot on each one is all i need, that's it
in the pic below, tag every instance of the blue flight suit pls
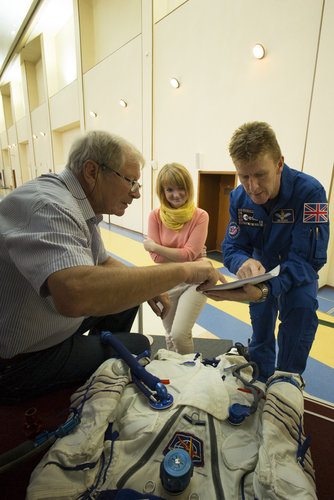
(295, 235)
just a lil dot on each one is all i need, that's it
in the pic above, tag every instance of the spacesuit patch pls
(246, 218)
(233, 230)
(284, 215)
(190, 443)
(315, 212)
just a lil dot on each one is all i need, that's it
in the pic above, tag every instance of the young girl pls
(177, 232)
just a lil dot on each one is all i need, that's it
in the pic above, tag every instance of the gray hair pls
(103, 148)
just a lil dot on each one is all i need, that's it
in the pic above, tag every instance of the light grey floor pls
(209, 348)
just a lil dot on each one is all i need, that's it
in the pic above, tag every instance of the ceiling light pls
(123, 103)
(175, 83)
(43, 134)
(35, 136)
(93, 114)
(258, 51)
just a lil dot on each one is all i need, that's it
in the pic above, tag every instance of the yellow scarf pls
(175, 218)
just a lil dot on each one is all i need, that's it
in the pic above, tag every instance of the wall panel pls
(106, 26)
(118, 76)
(62, 142)
(4, 139)
(64, 106)
(18, 100)
(22, 130)
(2, 116)
(42, 143)
(319, 157)
(13, 151)
(223, 86)
(162, 8)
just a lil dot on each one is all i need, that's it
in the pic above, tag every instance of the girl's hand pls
(202, 253)
(149, 245)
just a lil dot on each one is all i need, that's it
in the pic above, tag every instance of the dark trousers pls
(69, 363)
(297, 312)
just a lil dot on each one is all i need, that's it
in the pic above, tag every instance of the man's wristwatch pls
(265, 292)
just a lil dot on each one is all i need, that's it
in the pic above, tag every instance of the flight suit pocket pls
(240, 451)
(318, 246)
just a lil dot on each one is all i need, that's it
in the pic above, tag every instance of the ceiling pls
(12, 15)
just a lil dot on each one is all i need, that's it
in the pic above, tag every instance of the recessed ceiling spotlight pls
(93, 114)
(123, 103)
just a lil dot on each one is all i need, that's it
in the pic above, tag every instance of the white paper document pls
(253, 281)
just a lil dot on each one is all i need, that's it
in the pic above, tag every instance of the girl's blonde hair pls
(174, 174)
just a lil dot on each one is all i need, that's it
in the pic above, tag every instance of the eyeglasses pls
(134, 184)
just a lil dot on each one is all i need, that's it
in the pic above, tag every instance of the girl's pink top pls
(190, 239)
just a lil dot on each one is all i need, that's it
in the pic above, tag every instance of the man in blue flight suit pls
(277, 216)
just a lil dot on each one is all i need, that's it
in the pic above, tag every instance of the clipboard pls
(252, 281)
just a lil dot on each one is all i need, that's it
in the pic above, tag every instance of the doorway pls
(213, 196)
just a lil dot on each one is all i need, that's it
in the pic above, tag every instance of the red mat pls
(51, 412)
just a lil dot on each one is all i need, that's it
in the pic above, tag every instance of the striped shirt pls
(46, 225)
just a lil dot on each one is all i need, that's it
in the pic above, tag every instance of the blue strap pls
(151, 381)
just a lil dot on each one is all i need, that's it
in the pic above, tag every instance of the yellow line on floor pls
(128, 249)
(323, 345)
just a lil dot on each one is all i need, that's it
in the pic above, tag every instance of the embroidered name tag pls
(189, 443)
(315, 212)
(246, 218)
(284, 216)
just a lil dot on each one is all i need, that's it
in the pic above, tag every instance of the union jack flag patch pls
(315, 212)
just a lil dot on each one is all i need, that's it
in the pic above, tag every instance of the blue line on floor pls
(325, 306)
(319, 380)
(327, 293)
(224, 325)
(120, 259)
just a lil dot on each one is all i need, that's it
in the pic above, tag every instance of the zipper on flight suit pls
(150, 450)
(217, 484)
(214, 460)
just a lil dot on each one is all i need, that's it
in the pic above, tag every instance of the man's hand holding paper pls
(244, 289)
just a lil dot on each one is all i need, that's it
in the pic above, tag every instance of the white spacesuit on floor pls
(124, 444)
